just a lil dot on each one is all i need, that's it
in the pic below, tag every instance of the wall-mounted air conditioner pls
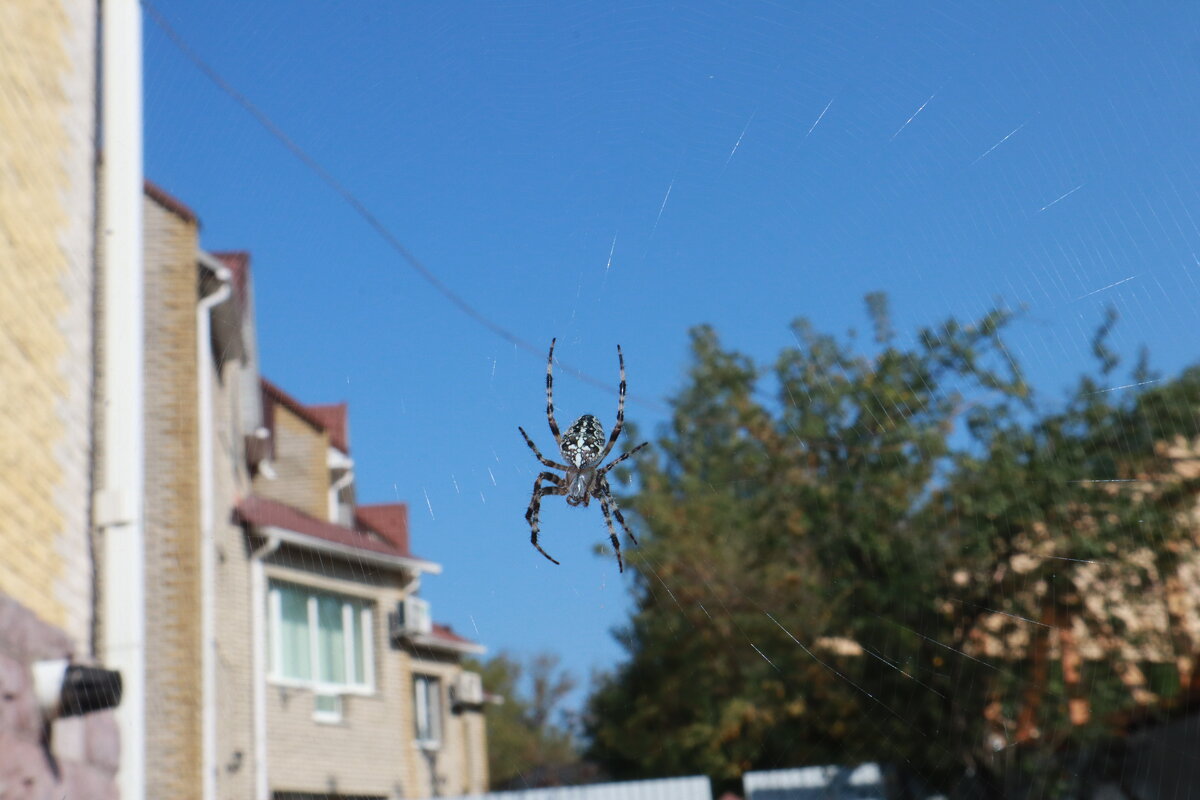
(410, 618)
(467, 689)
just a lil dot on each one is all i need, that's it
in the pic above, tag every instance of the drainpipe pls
(258, 602)
(119, 504)
(334, 490)
(208, 627)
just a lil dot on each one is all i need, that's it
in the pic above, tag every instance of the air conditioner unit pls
(410, 618)
(468, 689)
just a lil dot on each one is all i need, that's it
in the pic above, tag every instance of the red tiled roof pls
(323, 418)
(333, 419)
(160, 196)
(389, 520)
(445, 632)
(262, 511)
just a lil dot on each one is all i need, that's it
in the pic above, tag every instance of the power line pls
(361, 208)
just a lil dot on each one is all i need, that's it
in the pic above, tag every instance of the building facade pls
(48, 243)
(164, 509)
(288, 654)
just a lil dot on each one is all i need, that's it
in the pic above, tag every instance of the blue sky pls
(617, 172)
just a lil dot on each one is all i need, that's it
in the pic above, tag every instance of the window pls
(327, 707)
(427, 705)
(320, 639)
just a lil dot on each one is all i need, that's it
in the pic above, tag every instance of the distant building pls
(392, 711)
(287, 650)
(288, 654)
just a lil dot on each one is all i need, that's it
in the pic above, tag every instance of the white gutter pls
(433, 642)
(346, 551)
(119, 507)
(208, 626)
(258, 598)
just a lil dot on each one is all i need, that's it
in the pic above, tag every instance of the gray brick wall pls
(235, 643)
(369, 751)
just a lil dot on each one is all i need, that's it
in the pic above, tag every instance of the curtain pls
(295, 656)
(331, 640)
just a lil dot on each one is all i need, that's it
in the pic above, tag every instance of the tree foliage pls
(871, 557)
(529, 744)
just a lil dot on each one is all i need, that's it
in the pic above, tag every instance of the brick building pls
(166, 513)
(288, 654)
(48, 191)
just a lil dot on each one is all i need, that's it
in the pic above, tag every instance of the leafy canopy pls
(862, 556)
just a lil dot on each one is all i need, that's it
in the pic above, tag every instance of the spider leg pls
(612, 532)
(550, 395)
(616, 431)
(538, 453)
(601, 472)
(535, 506)
(616, 510)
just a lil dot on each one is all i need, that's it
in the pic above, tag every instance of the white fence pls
(690, 788)
(864, 782)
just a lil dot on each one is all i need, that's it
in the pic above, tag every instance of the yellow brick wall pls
(47, 190)
(300, 464)
(172, 505)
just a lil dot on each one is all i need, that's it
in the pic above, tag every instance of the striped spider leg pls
(583, 448)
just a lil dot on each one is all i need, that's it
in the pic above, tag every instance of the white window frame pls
(329, 717)
(421, 709)
(365, 629)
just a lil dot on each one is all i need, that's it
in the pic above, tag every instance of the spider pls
(583, 448)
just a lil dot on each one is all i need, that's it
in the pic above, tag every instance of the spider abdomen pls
(583, 442)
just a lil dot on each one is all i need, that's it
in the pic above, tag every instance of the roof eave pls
(333, 548)
(437, 643)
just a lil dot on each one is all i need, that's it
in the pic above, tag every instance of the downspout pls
(413, 584)
(119, 504)
(334, 490)
(258, 598)
(208, 643)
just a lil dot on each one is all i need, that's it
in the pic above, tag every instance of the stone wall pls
(80, 759)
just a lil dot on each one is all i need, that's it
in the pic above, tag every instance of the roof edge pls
(279, 395)
(169, 202)
(305, 540)
(435, 642)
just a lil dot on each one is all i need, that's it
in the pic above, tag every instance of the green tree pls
(818, 563)
(528, 742)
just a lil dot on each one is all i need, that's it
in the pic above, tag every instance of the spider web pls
(611, 174)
